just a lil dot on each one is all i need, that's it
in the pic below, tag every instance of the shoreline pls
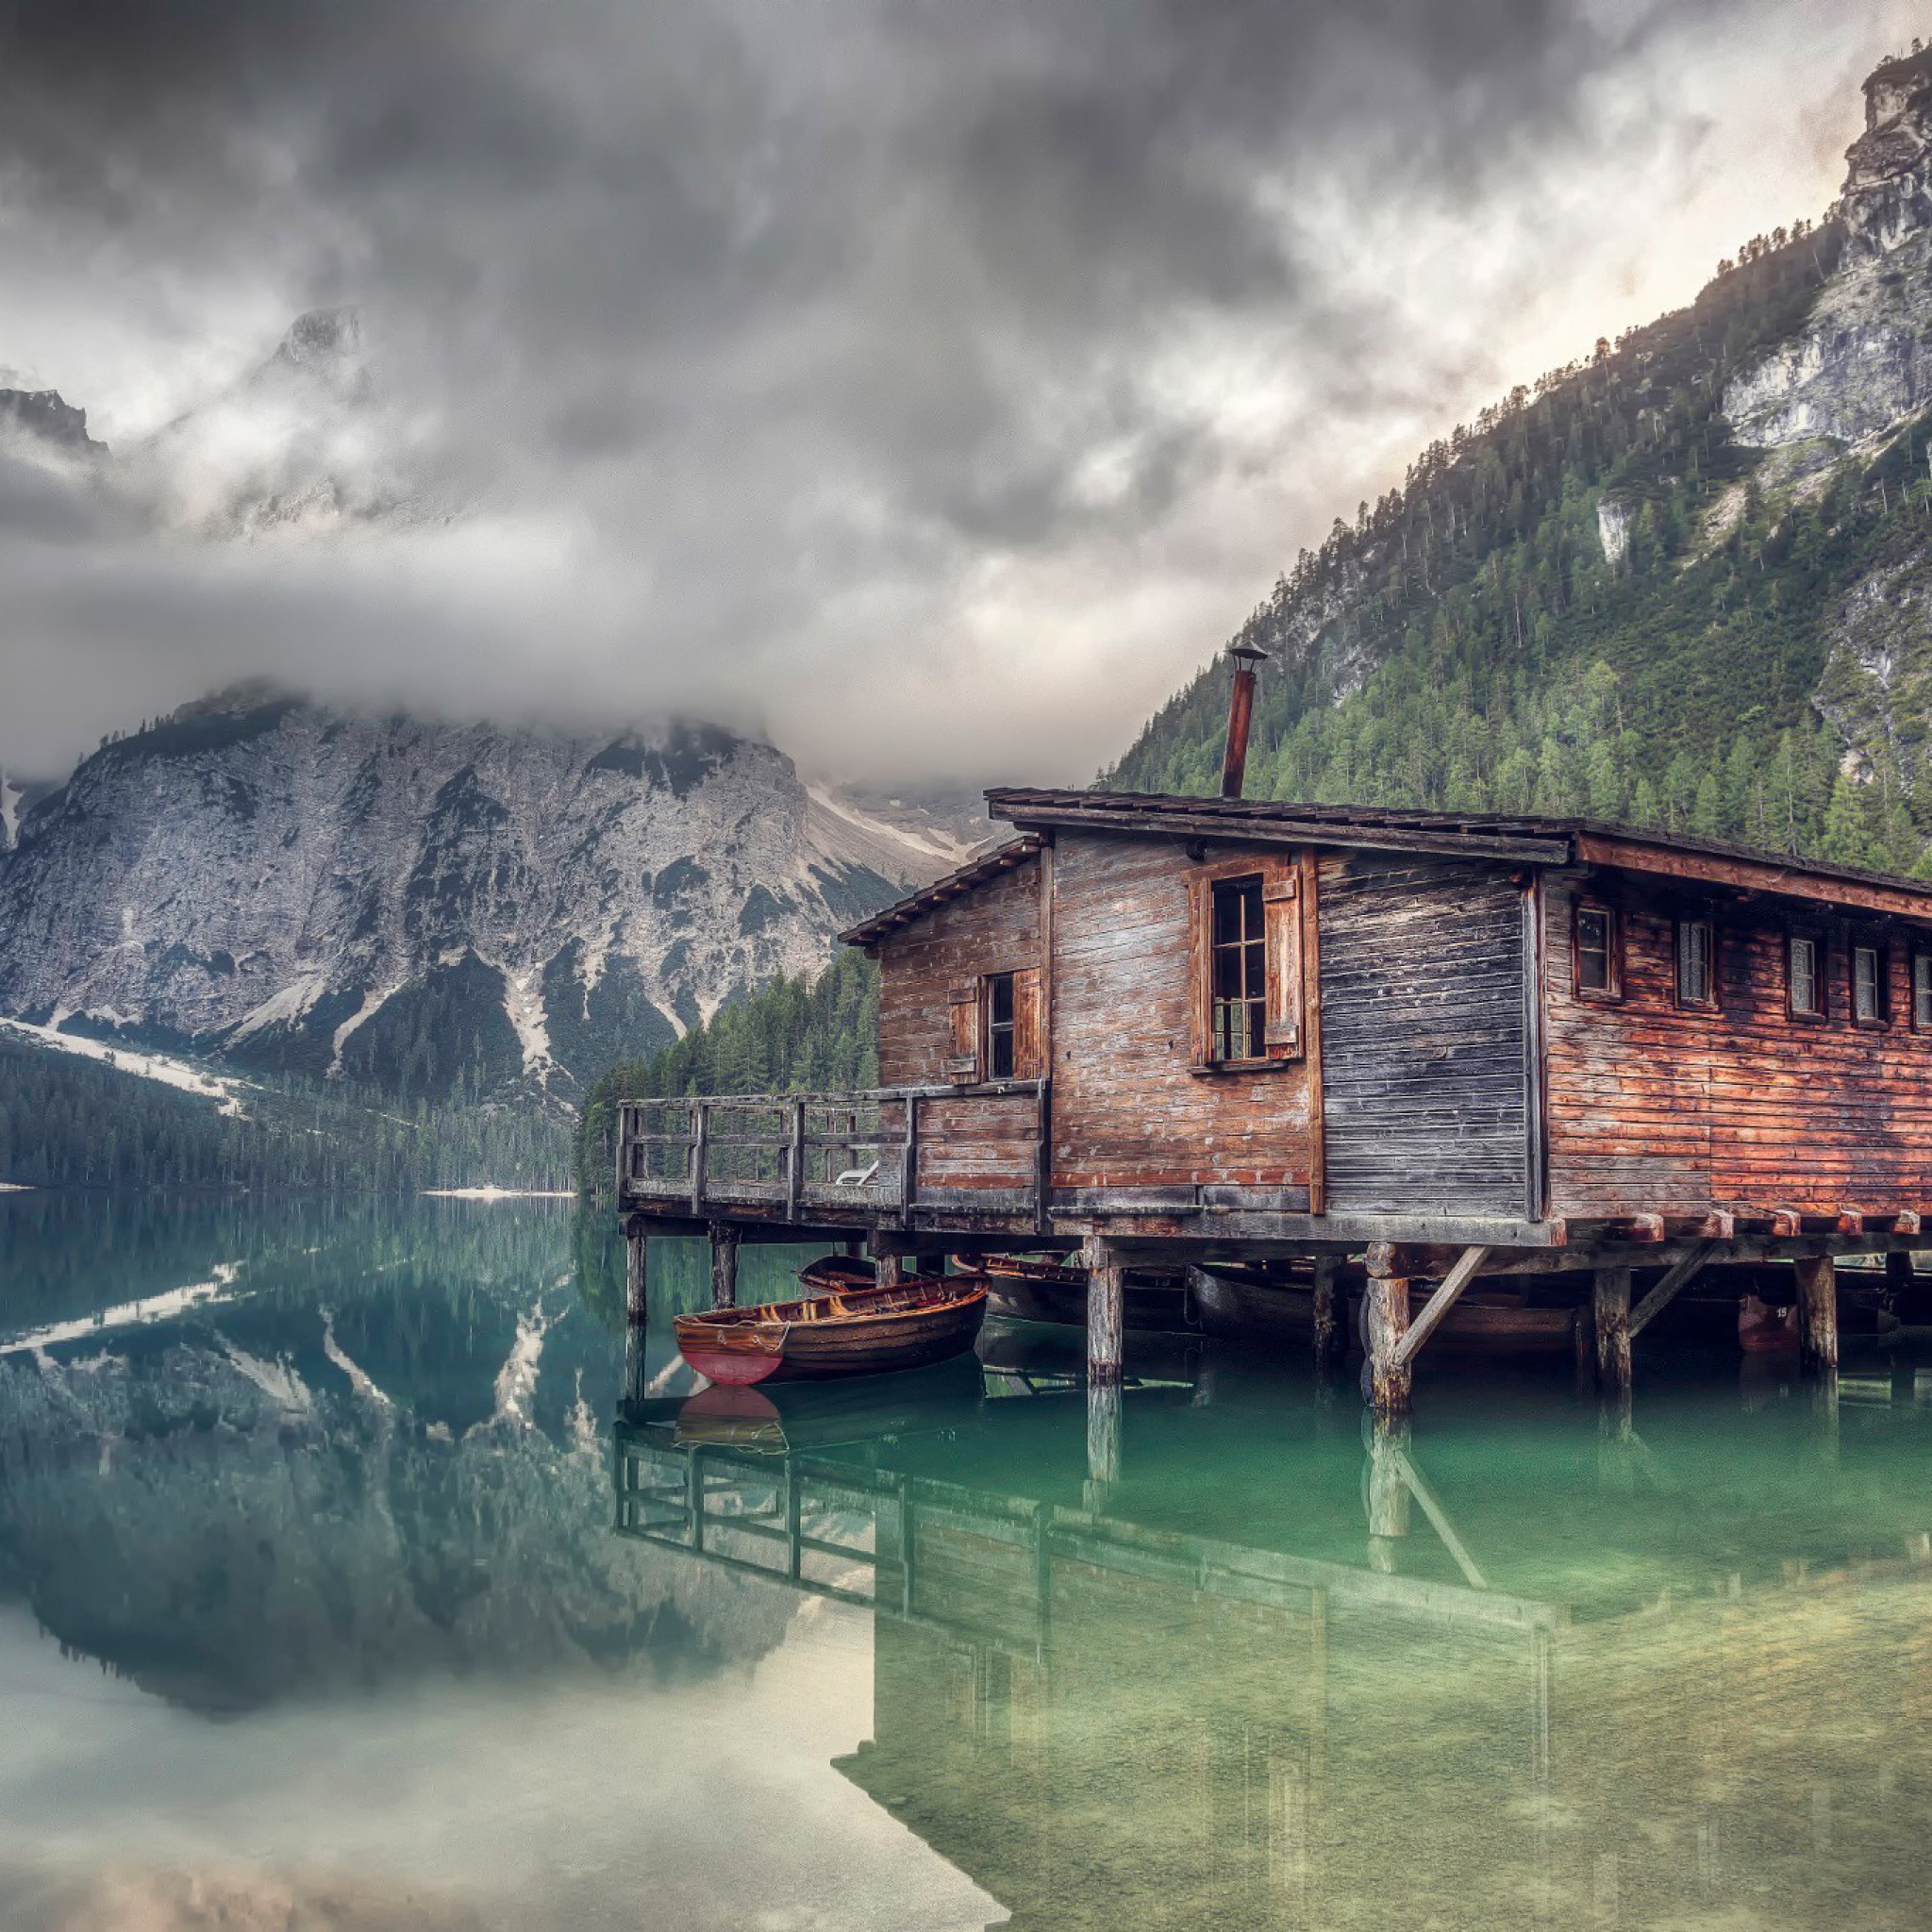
(496, 1194)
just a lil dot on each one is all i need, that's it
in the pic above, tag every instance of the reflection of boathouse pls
(1105, 1717)
(1452, 1052)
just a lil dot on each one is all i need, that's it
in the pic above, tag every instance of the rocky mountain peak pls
(1891, 88)
(324, 336)
(1887, 192)
(49, 418)
(325, 349)
(417, 903)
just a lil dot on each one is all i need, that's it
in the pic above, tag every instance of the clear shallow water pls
(338, 1587)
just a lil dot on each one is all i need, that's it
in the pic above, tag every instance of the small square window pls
(1696, 964)
(1922, 991)
(1598, 969)
(1804, 978)
(1868, 984)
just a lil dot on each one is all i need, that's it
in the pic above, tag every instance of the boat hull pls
(1058, 1295)
(842, 1338)
(1241, 1311)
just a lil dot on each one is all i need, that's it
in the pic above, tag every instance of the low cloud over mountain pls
(926, 387)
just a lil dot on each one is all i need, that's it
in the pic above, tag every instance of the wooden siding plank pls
(1129, 1107)
(1655, 1109)
(1425, 1034)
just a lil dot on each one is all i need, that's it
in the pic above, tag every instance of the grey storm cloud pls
(763, 337)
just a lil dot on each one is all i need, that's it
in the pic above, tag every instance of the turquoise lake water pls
(355, 1575)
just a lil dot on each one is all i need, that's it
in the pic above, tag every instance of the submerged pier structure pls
(1384, 1076)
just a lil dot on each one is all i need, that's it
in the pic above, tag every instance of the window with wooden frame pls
(1922, 991)
(1870, 1005)
(1247, 952)
(997, 1028)
(999, 1025)
(1696, 963)
(1238, 970)
(1805, 980)
(1596, 952)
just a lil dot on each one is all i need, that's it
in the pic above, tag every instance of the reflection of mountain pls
(1616, 1683)
(342, 1471)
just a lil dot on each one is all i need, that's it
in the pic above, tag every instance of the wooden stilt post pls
(1616, 1443)
(1387, 1303)
(1388, 1487)
(1612, 1307)
(1583, 1343)
(723, 1265)
(1103, 1442)
(1817, 1314)
(636, 1367)
(636, 1296)
(1327, 1330)
(1106, 1311)
(1898, 1282)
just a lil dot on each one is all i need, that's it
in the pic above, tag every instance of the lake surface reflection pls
(351, 1576)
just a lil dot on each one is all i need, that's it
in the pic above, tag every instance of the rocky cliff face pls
(1862, 363)
(1888, 195)
(414, 905)
(45, 419)
(1846, 384)
(1720, 517)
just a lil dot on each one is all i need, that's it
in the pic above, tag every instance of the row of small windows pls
(1599, 971)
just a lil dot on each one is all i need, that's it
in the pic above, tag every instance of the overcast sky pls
(930, 384)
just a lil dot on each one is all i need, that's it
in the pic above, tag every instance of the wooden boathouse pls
(1411, 1049)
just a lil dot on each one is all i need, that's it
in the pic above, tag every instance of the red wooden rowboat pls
(860, 1331)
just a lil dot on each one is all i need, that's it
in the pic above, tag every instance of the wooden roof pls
(1519, 840)
(1473, 835)
(987, 865)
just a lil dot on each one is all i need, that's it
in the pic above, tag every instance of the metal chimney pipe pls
(1240, 712)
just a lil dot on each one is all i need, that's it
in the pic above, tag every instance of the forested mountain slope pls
(797, 1035)
(1686, 583)
(72, 1122)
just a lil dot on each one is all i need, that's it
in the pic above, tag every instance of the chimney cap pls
(1248, 654)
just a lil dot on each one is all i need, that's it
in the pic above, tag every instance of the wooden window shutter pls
(1282, 925)
(963, 1004)
(1029, 1033)
(1200, 970)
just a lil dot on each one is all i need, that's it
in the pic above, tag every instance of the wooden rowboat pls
(1484, 1321)
(1026, 1289)
(861, 1331)
(838, 1272)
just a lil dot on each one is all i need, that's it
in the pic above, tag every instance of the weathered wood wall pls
(993, 928)
(1653, 1108)
(1129, 1109)
(1425, 1048)
(977, 1144)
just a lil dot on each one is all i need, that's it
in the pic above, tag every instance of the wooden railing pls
(877, 1154)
